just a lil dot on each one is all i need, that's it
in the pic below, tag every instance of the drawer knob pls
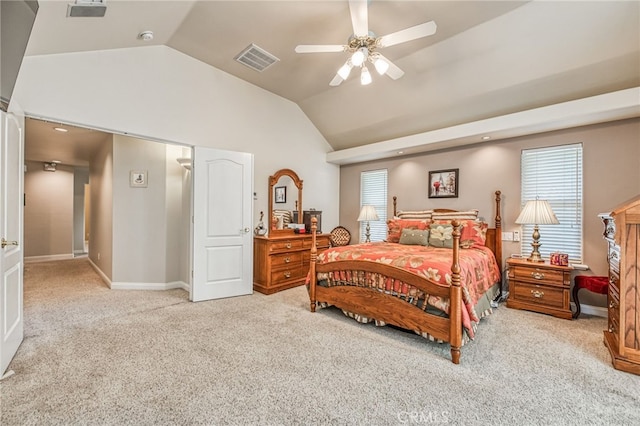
(287, 274)
(612, 304)
(537, 293)
(612, 329)
(537, 275)
(287, 260)
(288, 245)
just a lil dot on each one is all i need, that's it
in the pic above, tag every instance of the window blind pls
(373, 192)
(554, 174)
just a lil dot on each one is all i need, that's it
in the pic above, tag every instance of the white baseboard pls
(597, 311)
(149, 286)
(106, 279)
(49, 258)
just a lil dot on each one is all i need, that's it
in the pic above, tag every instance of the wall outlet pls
(516, 235)
(98, 256)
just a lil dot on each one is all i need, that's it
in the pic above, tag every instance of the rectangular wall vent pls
(87, 9)
(256, 58)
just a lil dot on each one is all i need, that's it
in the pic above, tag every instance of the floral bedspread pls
(479, 271)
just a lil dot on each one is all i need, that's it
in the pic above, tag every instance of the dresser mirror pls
(285, 201)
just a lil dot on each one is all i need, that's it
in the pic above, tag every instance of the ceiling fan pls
(363, 46)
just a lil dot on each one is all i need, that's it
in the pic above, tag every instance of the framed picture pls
(138, 178)
(281, 194)
(443, 183)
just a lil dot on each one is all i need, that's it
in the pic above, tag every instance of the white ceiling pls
(487, 59)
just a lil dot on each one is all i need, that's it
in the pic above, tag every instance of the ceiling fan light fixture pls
(381, 66)
(359, 56)
(365, 76)
(345, 70)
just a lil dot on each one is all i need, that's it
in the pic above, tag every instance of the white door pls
(11, 181)
(222, 224)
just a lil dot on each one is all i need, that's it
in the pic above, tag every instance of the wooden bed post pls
(312, 266)
(498, 224)
(455, 308)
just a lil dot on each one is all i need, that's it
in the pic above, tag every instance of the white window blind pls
(373, 192)
(555, 174)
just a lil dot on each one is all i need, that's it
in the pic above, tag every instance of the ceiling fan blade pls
(393, 71)
(336, 81)
(319, 48)
(408, 34)
(359, 17)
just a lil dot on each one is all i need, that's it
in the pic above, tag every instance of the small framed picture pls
(281, 194)
(138, 178)
(443, 183)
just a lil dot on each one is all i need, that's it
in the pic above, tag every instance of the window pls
(555, 174)
(373, 192)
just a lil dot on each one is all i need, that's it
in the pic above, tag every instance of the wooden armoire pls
(622, 337)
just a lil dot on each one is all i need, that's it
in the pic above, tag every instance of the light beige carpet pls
(95, 356)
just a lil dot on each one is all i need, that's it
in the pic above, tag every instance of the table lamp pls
(536, 212)
(367, 213)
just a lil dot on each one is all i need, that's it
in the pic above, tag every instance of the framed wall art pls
(443, 183)
(138, 178)
(281, 194)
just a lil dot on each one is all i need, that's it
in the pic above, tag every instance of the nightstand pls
(539, 287)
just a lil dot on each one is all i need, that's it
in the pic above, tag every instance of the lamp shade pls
(537, 212)
(367, 213)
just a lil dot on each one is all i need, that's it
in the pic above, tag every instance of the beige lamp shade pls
(368, 213)
(537, 212)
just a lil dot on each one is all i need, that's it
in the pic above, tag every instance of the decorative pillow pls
(414, 237)
(395, 227)
(473, 232)
(415, 215)
(440, 235)
(460, 215)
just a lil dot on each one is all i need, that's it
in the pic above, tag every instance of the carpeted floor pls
(95, 356)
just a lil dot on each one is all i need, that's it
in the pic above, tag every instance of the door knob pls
(246, 230)
(8, 243)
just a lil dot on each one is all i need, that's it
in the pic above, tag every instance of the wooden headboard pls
(494, 235)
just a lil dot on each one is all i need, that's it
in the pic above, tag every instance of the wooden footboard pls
(389, 308)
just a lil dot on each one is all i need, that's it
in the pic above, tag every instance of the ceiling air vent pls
(256, 58)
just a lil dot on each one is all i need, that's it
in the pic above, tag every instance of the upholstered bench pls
(594, 284)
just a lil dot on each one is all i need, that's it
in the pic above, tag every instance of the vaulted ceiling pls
(487, 58)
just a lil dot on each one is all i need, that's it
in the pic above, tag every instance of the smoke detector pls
(146, 35)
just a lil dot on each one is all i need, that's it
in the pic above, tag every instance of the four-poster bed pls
(434, 303)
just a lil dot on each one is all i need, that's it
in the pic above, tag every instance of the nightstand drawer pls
(543, 295)
(533, 275)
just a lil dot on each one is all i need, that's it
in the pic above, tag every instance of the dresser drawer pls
(321, 243)
(287, 274)
(533, 275)
(284, 260)
(286, 245)
(543, 295)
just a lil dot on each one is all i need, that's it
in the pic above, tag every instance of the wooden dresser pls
(539, 287)
(622, 337)
(281, 262)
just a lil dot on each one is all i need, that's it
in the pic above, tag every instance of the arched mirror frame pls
(273, 181)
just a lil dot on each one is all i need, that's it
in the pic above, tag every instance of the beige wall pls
(101, 218)
(611, 175)
(139, 214)
(48, 213)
